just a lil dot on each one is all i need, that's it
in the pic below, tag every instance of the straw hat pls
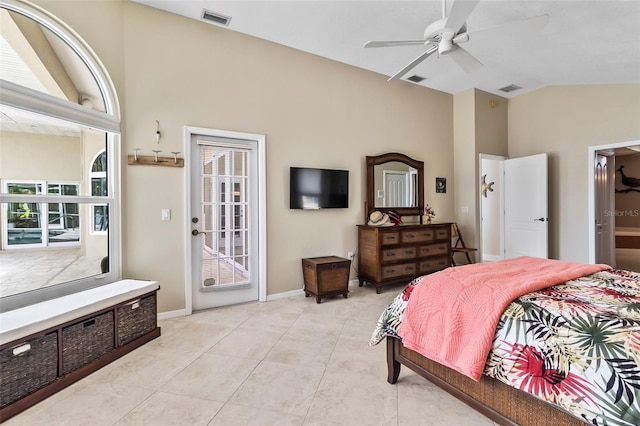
(377, 218)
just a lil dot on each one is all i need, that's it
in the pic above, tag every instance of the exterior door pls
(526, 211)
(224, 222)
(604, 169)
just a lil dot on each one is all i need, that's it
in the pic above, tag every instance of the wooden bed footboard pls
(501, 403)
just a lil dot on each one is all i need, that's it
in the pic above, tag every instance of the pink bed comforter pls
(452, 315)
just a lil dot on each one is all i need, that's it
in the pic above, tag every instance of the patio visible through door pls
(223, 222)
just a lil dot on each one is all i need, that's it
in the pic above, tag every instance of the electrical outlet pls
(465, 209)
(350, 255)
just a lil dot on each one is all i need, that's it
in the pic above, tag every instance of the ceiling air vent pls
(216, 18)
(510, 88)
(416, 78)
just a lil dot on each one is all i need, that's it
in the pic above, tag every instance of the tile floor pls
(285, 362)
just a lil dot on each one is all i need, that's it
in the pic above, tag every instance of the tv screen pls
(312, 189)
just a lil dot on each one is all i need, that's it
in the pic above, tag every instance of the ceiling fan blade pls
(465, 60)
(390, 43)
(530, 24)
(413, 63)
(460, 11)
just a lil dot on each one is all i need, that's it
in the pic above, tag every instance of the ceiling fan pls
(445, 36)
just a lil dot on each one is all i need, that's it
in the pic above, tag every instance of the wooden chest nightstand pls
(326, 276)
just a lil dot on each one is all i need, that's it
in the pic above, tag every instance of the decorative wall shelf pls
(150, 160)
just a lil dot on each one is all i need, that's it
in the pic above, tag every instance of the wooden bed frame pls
(501, 403)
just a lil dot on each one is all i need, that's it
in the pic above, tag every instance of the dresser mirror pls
(395, 181)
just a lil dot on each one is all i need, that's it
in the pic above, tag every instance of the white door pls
(526, 212)
(224, 221)
(604, 169)
(396, 188)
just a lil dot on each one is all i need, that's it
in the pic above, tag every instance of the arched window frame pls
(31, 100)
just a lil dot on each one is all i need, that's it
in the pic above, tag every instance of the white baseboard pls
(283, 295)
(172, 314)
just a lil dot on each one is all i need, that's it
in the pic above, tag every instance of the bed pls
(565, 353)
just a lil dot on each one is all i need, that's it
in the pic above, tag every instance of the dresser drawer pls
(417, 235)
(433, 250)
(403, 269)
(398, 254)
(390, 238)
(443, 233)
(433, 265)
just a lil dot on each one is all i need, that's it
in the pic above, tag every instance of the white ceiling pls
(585, 42)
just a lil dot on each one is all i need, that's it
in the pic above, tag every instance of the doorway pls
(513, 207)
(613, 206)
(226, 218)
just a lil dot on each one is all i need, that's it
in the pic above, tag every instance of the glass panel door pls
(224, 207)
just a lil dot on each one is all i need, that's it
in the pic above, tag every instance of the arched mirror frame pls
(376, 160)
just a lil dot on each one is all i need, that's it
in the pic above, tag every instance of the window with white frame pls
(98, 177)
(59, 187)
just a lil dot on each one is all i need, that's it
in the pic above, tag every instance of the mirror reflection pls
(395, 185)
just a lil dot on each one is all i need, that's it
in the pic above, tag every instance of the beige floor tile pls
(350, 398)
(195, 337)
(95, 404)
(422, 402)
(279, 387)
(166, 409)
(246, 343)
(238, 415)
(149, 367)
(212, 377)
(311, 350)
(276, 321)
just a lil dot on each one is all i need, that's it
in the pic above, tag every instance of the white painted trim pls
(189, 131)
(591, 197)
(172, 314)
(284, 295)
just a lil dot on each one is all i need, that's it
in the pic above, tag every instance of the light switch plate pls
(166, 214)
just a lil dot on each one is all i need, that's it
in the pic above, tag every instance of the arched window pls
(60, 141)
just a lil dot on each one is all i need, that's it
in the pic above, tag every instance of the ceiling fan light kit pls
(447, 34)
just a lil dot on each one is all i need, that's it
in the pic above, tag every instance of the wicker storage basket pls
(86, 341)
(27, 366)
(136, 319)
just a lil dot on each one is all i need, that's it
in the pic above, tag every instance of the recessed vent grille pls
(510, 88)
(214, 17)
(416, 78)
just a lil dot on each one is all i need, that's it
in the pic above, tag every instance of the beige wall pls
(313, 111)
(40, 156)
(564, 121)
(480, 128)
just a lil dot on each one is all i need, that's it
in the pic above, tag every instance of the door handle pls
(542, 219)
(195, 233)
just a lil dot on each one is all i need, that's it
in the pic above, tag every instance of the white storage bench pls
(50, 345)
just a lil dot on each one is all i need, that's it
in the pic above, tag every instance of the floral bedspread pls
(576, 344)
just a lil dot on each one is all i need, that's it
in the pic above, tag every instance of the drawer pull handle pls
(89, 323)
(21, 349)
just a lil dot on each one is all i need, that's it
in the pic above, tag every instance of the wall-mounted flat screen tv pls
(313, 189)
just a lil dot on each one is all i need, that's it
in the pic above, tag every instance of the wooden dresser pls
(394, 254)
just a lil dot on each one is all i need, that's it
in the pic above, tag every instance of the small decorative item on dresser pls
(430, 213)
(326, 276)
